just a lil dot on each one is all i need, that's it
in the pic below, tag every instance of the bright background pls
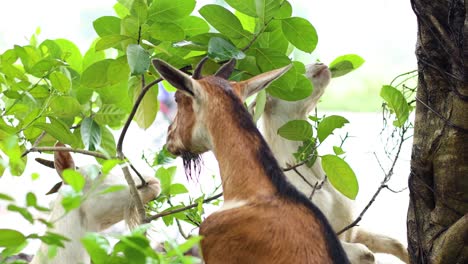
(383, 32)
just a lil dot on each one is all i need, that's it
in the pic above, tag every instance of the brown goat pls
(264, 219)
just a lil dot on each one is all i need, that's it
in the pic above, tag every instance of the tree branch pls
(66, 149)
(383, 185)
(178, 210)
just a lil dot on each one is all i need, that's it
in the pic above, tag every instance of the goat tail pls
(379, 243)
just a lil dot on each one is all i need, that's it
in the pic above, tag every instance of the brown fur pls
(268, 230)
(276, 224)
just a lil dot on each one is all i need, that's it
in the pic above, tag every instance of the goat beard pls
(192, 164)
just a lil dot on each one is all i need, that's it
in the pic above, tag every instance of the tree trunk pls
(437, 215)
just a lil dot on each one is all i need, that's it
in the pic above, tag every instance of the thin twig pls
(178, 210)
(36, 142)
(387, 177)
(317, 186)
(304, 178)
(292, 167)
(179, 226)
(66, 149)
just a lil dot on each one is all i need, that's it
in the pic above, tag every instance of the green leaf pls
(260, 102)
(163, 157)
(10, 238)
(65, 107)
(297, 130)
(328, 125)
(23, 211)
(345, 64)
(193, 25)
(139, 9)
(105, 73)
(97, 246)
(110, 114)
(138, 59)
(285, 11)
(274, 39)
(167, 31)
(169, 10)
(58, 130)
(149, 106)
(108, 146)
(60, 82)
(107, 25)
(300, 90)
(109, 41)
(177, 188)
(114, 188)
(6, 197)
(71, 54)
(307, 151)
(92, 56)
(341, 175)
(165, 177)
(221, 50)
(51, 239)
(108, 165)
(90, 133)
(31, 199)
(186, 246)
(74, 179)
(10, 146)
(71, 200)
(300, 33)
(338, 150)
(245, 6)
(265, 9)
(397, 103)
(223, 20)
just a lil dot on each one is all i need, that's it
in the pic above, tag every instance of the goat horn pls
(55, 188)
(197, 72)
(47, 163)
(226, 70)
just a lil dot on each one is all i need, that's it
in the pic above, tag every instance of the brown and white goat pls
(96, 213)
(264, 219)
(336, 207)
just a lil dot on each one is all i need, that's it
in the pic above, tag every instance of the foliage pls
(340, 174)
(51, 91)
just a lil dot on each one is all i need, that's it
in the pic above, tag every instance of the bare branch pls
(383, 185)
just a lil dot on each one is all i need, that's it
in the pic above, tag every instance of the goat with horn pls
(264, 219)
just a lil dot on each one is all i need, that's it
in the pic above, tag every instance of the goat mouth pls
(319, 71)
(192, 164)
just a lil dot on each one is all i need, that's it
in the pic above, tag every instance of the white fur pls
(96, 213)
(337, 208)
(231, 204)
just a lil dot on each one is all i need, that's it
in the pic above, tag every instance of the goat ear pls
(255, 84)
(62, 160)
(175, 77)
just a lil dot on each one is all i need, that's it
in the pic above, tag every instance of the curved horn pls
(47, 163)
(197, 72)
(226, 70)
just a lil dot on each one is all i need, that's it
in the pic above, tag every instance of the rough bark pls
(438, 210)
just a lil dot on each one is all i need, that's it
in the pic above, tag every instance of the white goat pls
(358, 243)
(97, 212)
